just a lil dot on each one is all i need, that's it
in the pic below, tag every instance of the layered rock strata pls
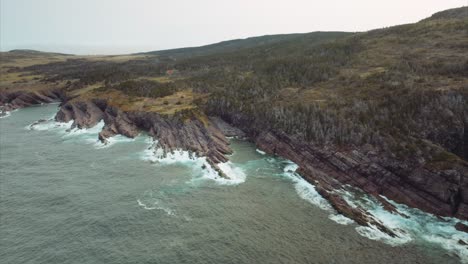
(441, 192)
(10, 101)
(189, 131)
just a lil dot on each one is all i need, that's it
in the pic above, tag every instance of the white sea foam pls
(450, 244)
(261, 152)
(428, 228)
(5, 114)
(152, 205)
(340, 219)
(112, 141)
(50, 124)
(420, 226)
(291, 168)
(202, 169)
(88, 135)
(148, 202)
(416, 226)
(86, 131)
(307, 192)
(304, 189)
(235, 174)
(156, 154)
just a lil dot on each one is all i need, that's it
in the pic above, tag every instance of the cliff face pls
(441, 192)
(188, 131)
(18, 99)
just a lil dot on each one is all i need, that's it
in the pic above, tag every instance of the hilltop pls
(253, 42)
(455, 13)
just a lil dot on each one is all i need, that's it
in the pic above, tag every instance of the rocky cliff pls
(18, 99)
(188, 130)
(441, 192)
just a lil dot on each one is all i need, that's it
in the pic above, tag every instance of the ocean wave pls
(88, 135)
(373, 233)
(410, 225)
(235, 174)
(69, 134)
(340, 219)
(5, 114)
(49, 124)
(112, 141)
(94, 131)
(155, 206)
(261, 152)
(304, 189)
(148, 202)
(203, 170)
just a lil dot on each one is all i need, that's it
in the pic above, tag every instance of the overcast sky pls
(125, 26)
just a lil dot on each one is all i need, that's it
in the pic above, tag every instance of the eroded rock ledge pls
(441, 192)
(10, 101)
(188, 130)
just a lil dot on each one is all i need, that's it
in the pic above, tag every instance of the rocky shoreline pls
(443, 193)
(10, 101)
(186, 131)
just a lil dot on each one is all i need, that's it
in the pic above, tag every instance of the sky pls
(128, 26)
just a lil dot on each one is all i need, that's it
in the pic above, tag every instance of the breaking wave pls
(88, 135)
(304, 189)
(340, 219)
(112, 141)
(261, 152)
(202, 168)
(5, 114)
(410, 225)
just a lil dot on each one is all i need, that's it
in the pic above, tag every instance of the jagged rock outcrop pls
(461, 227)
(18, 99)
(441, 192)
(186, 130)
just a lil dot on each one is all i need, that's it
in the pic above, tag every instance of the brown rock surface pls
(461, 227)
(18, 99)
(439, 192)
(175, 132)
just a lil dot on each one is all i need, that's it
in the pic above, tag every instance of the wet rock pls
(461, 227)
(359, 215)
(226, 128)
(19, 99)
(171, 132)
(442, 193)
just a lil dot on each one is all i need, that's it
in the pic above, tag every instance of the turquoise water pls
(67, 199)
